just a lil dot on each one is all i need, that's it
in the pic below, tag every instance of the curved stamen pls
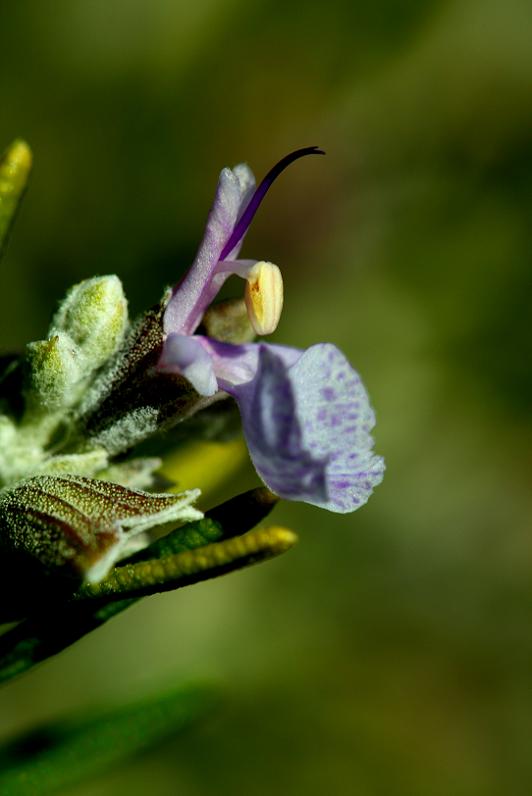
(253, 204)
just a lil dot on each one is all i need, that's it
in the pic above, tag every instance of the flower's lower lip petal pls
(306, 415)
(273, 432)
(337, 421)
(307, 426)
(302, 479)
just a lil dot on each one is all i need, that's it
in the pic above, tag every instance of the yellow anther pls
(264, 297)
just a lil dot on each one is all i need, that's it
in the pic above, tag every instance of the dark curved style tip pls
(253, 205)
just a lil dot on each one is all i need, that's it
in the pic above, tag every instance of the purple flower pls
(306, 415)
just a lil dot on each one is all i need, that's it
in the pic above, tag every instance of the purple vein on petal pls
(253, 204)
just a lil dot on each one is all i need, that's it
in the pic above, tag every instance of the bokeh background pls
(391, 652)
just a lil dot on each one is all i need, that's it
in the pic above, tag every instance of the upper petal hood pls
(201, 284)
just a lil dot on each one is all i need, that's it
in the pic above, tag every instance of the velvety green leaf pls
(61, 528)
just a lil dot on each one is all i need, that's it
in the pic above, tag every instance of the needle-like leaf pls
(15, 167)
(60, 755)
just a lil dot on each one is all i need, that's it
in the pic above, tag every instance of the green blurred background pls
(390, 653)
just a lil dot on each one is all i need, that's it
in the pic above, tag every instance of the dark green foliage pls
(59, 755)
(167, 564)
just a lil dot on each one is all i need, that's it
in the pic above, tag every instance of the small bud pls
(264, 297)
(94, 315)
(228, 321)
(85, 332)
(54, 371)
